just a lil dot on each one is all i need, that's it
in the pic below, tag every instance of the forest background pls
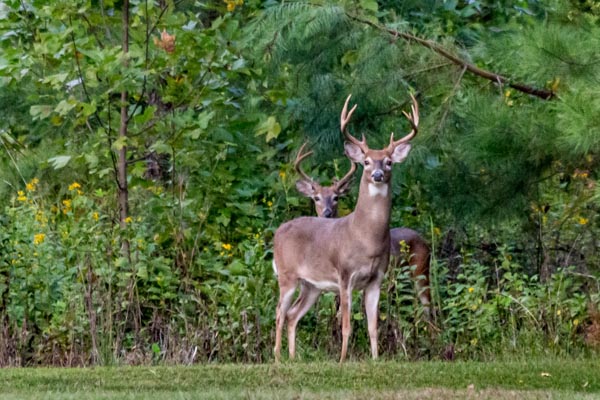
(145, 165)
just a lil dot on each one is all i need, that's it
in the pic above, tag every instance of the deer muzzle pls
(377, 175)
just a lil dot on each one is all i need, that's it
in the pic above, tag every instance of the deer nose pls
(327, 213)
(377, 175)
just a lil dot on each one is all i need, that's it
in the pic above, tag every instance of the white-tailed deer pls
(341, 254)
(415, 253)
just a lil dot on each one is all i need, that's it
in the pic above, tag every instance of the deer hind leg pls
(372, 309)
(307, 298)
(421, 278)
(285, 299)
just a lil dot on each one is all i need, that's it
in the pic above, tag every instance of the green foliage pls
(218, 97)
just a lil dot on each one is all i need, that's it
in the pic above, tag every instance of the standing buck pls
(341, 254)
(416, 253)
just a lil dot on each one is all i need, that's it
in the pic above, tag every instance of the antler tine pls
(299, 158)
(413, 118)
(348, 175)
(344, 119)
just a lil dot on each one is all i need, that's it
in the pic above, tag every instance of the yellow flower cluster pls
(75, 186)
(67, 206)
(579, 173)
(31, 186)
(21, 196)
(38, 238)
(226, 246)
(232, 4)
(507, 99)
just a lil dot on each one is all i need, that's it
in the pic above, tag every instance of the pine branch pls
(494, 77)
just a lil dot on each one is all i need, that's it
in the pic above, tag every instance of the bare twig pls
(541, 93)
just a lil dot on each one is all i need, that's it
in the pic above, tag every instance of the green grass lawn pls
(541, 379)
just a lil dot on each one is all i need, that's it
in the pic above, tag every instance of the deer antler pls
(344, 119)
(299, 158)
(413, 118)
(346, 177)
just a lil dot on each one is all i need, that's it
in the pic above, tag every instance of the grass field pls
(533, 379)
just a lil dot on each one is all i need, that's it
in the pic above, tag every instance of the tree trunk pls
(122, 189)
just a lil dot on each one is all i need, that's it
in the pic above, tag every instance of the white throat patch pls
(378, 190)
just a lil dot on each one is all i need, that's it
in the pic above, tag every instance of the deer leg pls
(285, 299)
(421, 278)
(422, 288)
(307, 298)
(345, 305)
(371, 309)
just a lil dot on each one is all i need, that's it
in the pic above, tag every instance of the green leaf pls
(270, 127)
(161, 147)
(204, 119)
(370, 5)
(64, 107)
(40, 111)
(119, 143)
(237, 268)
(59, 162)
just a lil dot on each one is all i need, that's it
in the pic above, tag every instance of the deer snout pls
(327, 213)
(377, 175)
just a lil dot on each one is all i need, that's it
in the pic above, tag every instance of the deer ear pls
(305, 187)
(354, 153)
(401, 152)
(344, 188)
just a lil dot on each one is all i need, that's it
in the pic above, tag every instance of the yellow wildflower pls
(74, 186)
(282, 174)
(95, 216)
(67, 203)
(582, 221)
(575, 322)
(21, 196)
(269, 204)
(226, 246)
(471, 290)
(38, 238)
(558, 312)
(32, 185)
(128, 220)
(232, 4)
(437, 231)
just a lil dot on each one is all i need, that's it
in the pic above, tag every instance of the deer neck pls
(372, 210)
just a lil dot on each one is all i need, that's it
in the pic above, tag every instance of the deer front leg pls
(285, 299)
(307, 298)
(345, 305)
(371, 309)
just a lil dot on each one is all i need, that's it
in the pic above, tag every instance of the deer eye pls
(388, 163)
(367, 162)
(317, 198)
(335, 198)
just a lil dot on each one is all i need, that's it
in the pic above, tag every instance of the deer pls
(415, 250)
(341, 254)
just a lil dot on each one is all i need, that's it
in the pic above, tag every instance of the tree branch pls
(541, 93)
